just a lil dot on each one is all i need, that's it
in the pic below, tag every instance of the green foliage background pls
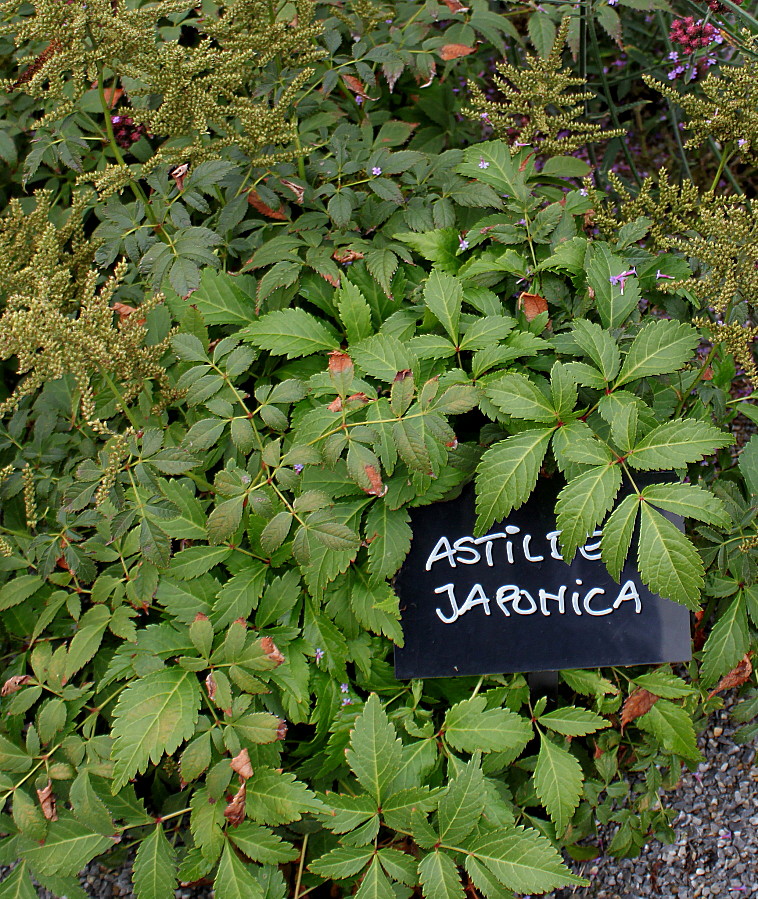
(239, 350)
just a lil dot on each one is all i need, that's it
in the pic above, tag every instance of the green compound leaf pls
(155, 714)
(154, 872)
(439, 877)
(507, 474)
(462, 804)
(443, 295)
(668, 562)
(234, 879)
(598, 344)
(582, 505)
(275, 797)
(469, 727)
(375, 751)
(292, 333)
(673, 728)
(728, 641)
(676, 444)
(660, 347)
(558, 782)
(617, 535)
(689, 501)
(522, 860)
(573, 722)
(517, 396)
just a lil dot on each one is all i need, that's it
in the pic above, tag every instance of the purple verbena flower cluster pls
(125, 131)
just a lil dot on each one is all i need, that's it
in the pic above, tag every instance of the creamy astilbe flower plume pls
(541, 99)
(58, 319)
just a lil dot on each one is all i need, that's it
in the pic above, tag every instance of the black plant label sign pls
(506, 601)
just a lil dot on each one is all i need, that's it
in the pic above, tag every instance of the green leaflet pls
(614, 300)
(291, 333)
(727, 642)
(689, 501)
(68, 847)
(661, 347)
(355, 312)
(572, 721)
(343, 861)
(676, 444)
(522, 860)
(374, 753)
(461, 805)
(375, 884)
(617, 535)
(519, 397)
(153, 716)
(598, 344)
(748, 463)
(558, 782)
(439, 877)
(674, 728)
(154, 872)
(507, 474)
(234, 879)
(668, 562)
(582, 505)
(261, 845)
(17, 884)
(469, 727)
(443, 295)
(278, 798)
(389, 538)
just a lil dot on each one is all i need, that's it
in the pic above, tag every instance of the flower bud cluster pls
(694, 35)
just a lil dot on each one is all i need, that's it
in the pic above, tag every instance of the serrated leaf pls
(375, 884)
(194, 561)
(573, 722)
(439, 877)
(661, 347)
(239, 595)
(728, 641)
(225, 519)
(598, 344)
(355, 312)
(343, 861)
(234, 880)
(222, 301)
(517, 396)
(443, 295)
(689, 501)
(461, 805)
(748, 463)
(617, 535)
(388, 534)
(470, 726)
(154, 872)
(522, 860)
(68, 847)
(153, 716)
(673, 727)
(507, 475)
(582, 505)
(399, 865)
(614, 301)
(17, 885)
(275, 532)
(664, 684)
(375, 751)
(382, 356)
(261, 845)
(558, 782)
(676, 444)
(275, 797)
(290, 332)
(541, 33)
(668, 562)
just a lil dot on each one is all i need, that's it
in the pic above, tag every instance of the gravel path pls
(715, 855)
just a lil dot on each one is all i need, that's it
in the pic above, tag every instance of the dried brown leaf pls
(636, 704)
(241, 764)
(179, 173)
(339, 362)
(736, 677)
(454, 51)
(532, 305)
(47, 802)
(356, 86)
(297, 189)
(269, 647)
(455, 6)
(210, 685)
(376, 487)
(253, 198)
(235, 810)
(346, 255)
(15, 683)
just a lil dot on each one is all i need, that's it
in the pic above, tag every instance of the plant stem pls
(300, 868)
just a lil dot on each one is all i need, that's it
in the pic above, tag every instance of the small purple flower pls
(344, 688)
(346, 700)
(612, 2)
(741, 142)
(359, 100)
(483, 164)
(462, 243)
(116, 119)
(376, 170)
(660, 276)
(319, 654)
(298, 468)
(583, 192)
(620, 280)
